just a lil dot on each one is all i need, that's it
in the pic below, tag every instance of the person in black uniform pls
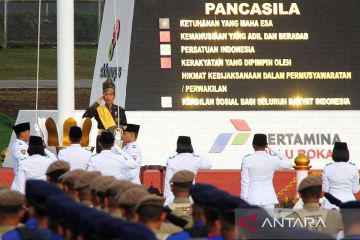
(106, 115)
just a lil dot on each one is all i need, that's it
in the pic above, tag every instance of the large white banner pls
(114, 48)
(226, 136)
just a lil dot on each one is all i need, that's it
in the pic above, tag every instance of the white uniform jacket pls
(33, 167)
(18, 153)
(341, 179)
(134, 151)
(182, 161)
(76, 156)
(113, 164)
(257, 171)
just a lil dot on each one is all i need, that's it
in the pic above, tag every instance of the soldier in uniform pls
(77, 156)
(118, 164)
(185, 159)
(149, 211)
(340, 178)
(130, 133)
(180, 186)
(11, 210)
(18, 150)
(34, 166)
(326, 221)
(67, 182)
(106, 115)
(82, 187)
(55, 170)
(257, 171)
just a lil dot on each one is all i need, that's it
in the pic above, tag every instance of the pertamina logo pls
(240, 138)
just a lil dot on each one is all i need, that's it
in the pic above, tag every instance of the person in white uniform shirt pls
(34, 166)
(18, 150)
(185, 159)
(130, 134)
(119, 164)
(257, 171)
(340, 178)
(75, 155)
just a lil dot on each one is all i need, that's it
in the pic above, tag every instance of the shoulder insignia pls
(134, 146)
(47, 156)
(272, 153)
(328, 164)
(195, 155)
(352, 163)
(247, 155)
(172, 157)
(20, 143)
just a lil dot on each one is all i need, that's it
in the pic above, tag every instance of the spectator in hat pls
(129, 137)
(34, 166)
(11, 210)
(185, 159)
(108, 163)
(257, 172)
(341, 177)
(310, 193)
(18, 150)
(74, 154)
(55, 170)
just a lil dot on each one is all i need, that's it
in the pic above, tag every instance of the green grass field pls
(20, 63)
(6, 124)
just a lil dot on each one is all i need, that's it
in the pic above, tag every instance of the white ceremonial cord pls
(38, 65)
(117, 65)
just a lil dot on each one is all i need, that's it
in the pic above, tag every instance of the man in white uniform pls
(75, 155)
(257, 173)
(108, 163)
(34, 166)
(132, 148)
(18, 150)
(185, 159)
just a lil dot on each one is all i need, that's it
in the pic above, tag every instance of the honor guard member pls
(18, 150)
(120, 164)
(340, 178)
(257, 171)
(185, 159)
(327, 221)
(34, 166)
(75, 155)
(108, 115)
(130, 133)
